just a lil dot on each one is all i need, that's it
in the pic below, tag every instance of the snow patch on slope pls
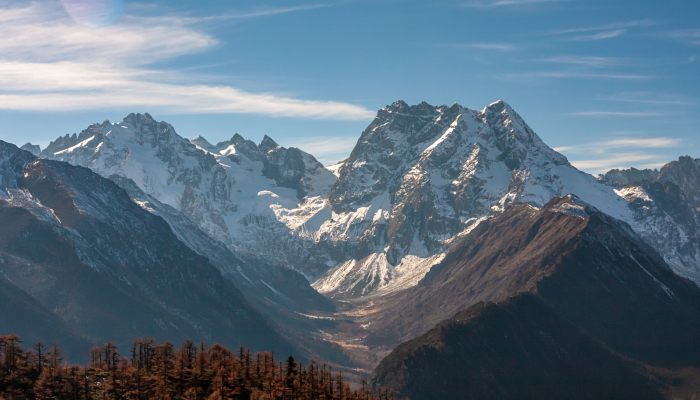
(374, 275)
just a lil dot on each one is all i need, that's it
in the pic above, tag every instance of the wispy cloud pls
(506, 3)
(42, 33)
(639, 23)
(619, 161)
(641, 114)
(576, 75)
(688, 36)
(588, 61)
(601, 32)
(652, 98)
(254, 13)
(49, 62)
(326, 150)
(654, 143)
(626, 143)
(486, 46)
(271, 11)
(602, 35)
(582, 67)
(624, 152)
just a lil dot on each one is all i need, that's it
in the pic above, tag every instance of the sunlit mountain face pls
(327, 200)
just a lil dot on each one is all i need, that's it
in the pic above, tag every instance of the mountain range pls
(444, 223)
(418, 176)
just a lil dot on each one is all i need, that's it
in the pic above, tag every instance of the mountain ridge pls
(418, 176)
(517, 305)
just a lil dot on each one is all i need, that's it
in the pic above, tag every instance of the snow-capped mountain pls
(232, 190)
(418, 176)
(684, 173)
(666, 203)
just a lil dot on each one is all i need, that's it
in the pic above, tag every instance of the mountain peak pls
(237, 138)
(202, 142)
(397, 106)
(570, 204)
(12, 160)
(32, 148)
(8, 149)
(400, 106)
(268, 144)
(687, 161)
(146, 127)
(138, 118)
(495, 107)
(498, 106)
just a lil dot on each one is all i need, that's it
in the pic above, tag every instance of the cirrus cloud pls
(50, 63)
(506, 3)
(621, 152)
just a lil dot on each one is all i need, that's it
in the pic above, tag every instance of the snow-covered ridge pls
(233, 190)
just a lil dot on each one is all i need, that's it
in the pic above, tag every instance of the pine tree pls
(163, 369)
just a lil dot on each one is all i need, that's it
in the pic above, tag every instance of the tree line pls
(161, 371)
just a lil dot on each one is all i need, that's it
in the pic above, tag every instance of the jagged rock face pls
(629, 177)
(686, 174)
(287, 167)
(434, 165)
(666, 209)
(11, 166)
(420, 175)
(78, 245)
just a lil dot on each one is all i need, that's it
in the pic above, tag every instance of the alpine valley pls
(449, 236)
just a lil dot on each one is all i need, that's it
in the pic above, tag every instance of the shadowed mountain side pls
(26, 317)
(281, 294)
(584, 269)
(592, 269)
(518, 349)
(76, 242)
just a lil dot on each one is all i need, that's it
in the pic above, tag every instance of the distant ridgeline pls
(162, 371)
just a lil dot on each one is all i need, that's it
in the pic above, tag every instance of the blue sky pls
(608, 83)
